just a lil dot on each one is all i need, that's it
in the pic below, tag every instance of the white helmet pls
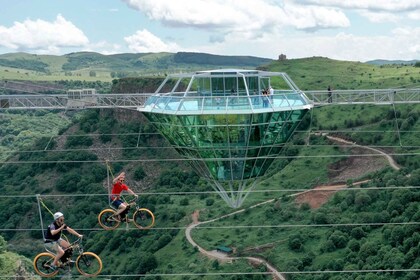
(58, 215)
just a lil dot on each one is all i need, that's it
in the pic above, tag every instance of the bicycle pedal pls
(113, 219)
(52, 267)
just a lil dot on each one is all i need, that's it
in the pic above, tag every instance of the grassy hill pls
(265, 231)
(92, 66)
(317, 73)
(388, 62)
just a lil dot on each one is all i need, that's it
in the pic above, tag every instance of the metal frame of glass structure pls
(228, 122)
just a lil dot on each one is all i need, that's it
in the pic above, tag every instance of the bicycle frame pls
(130, 204)
(141, 217)
(87, 263)
(74, 246)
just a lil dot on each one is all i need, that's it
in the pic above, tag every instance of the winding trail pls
(330, 189)
(388, 157)
(222, 257)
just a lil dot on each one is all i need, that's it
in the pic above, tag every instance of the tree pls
(215, 264)
(328, 246)
(146, 263)
(393, 259)
(139, 173)
(397, 236)
(368, 249)
(209, 201)
(362, 200)
(3, 244)
(295, 242)
(184, 202)
(354, 245)
(339, 239)
(358, 233)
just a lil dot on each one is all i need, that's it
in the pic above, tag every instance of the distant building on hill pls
(282, 57)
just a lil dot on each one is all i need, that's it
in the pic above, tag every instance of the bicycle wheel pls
(89, 264)
(42, 265)
(107, 220)
(143, 218)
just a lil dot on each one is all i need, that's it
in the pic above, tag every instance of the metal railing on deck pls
(135, 100)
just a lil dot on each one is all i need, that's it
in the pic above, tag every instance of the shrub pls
(139, 173)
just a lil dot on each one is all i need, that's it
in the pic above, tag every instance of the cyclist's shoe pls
(53, 267)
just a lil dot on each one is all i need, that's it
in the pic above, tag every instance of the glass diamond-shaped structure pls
(230, 123)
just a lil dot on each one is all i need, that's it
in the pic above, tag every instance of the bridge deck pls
(136, 100)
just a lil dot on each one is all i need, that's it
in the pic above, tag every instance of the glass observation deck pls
(230, 123)
(227, 92)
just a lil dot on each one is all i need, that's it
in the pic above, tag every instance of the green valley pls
(364, 231)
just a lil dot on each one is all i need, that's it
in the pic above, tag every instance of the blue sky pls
(356, 30)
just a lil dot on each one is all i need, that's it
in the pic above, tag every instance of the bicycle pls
(143, 218)
(87, 263)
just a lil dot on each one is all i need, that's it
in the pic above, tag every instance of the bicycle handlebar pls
(77, 241)
(133, 199)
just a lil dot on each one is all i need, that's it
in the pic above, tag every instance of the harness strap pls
(49, 211)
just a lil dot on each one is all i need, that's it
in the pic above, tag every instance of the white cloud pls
(103, 47)
(144, 41)
(374, 10)
(415, 15)
(42, 36)
(380, 17)
(249, 18)
(403, 43)
(313, 17)
(352, 47)
(371, 5)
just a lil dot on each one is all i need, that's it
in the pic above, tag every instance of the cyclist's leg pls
(120, 206)
(63, 243)
(59, 252)
(124, 213)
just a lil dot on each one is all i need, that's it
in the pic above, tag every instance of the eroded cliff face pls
(136, 85)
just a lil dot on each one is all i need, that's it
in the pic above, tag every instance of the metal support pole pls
(40, 215)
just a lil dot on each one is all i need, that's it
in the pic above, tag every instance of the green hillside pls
(317, 73)
(13, 265)
(92, 66)
(71, 176)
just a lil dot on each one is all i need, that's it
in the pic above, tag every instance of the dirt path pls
(222, 257)
(388, 157)
(319, 195)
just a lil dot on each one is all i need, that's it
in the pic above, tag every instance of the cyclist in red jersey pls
(118, 187)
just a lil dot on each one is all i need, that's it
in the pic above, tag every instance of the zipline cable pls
(304, 146)
(209, 159)
(320, 189)
(214, 274)
(234, 226)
